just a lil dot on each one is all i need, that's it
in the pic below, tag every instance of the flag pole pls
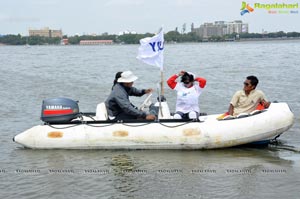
(162, 82)
(161, 91)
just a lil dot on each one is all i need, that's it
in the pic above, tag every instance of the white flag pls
(151, 50)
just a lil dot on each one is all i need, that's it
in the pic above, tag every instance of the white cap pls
(127, 76)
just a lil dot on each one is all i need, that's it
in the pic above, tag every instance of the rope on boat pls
(135, 125)
(65, 127)
(119, 122)
(185, 123)
(87, 115)
(91, 125)
(175, 125)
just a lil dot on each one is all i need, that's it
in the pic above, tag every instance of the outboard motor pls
(59, 110)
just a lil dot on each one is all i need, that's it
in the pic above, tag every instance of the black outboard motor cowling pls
(59, 110)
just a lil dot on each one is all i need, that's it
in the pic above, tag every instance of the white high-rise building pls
(220, 28)
(237, 27)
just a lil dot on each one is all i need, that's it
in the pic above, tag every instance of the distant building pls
(220, 28)
(237, 27)
(126, 32)
(96, 42)
(46, 32)
(64, 42)
(192, 27)
(207, 30)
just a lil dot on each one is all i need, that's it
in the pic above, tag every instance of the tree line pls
(31, 40)
(170, 37)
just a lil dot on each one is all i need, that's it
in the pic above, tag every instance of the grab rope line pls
(86, 115)
(91, 125)
(135, 125)
(66, 127)
(110, 124)
(175, 125)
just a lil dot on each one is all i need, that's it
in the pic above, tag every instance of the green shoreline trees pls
(170, 37)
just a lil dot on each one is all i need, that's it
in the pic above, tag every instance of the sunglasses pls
(246, 84)
(186, 82)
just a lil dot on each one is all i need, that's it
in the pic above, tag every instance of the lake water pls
(85, 73)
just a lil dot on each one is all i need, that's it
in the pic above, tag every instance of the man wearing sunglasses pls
(248, 99)
(188, 91)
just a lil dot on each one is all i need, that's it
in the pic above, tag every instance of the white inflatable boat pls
(95, 132)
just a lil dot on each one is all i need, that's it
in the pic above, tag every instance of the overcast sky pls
(141, 16)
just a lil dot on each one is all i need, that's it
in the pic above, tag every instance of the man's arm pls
(265, 103)
(126, 106)
(230, 109)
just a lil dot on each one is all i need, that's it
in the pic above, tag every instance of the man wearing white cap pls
(118, 105)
